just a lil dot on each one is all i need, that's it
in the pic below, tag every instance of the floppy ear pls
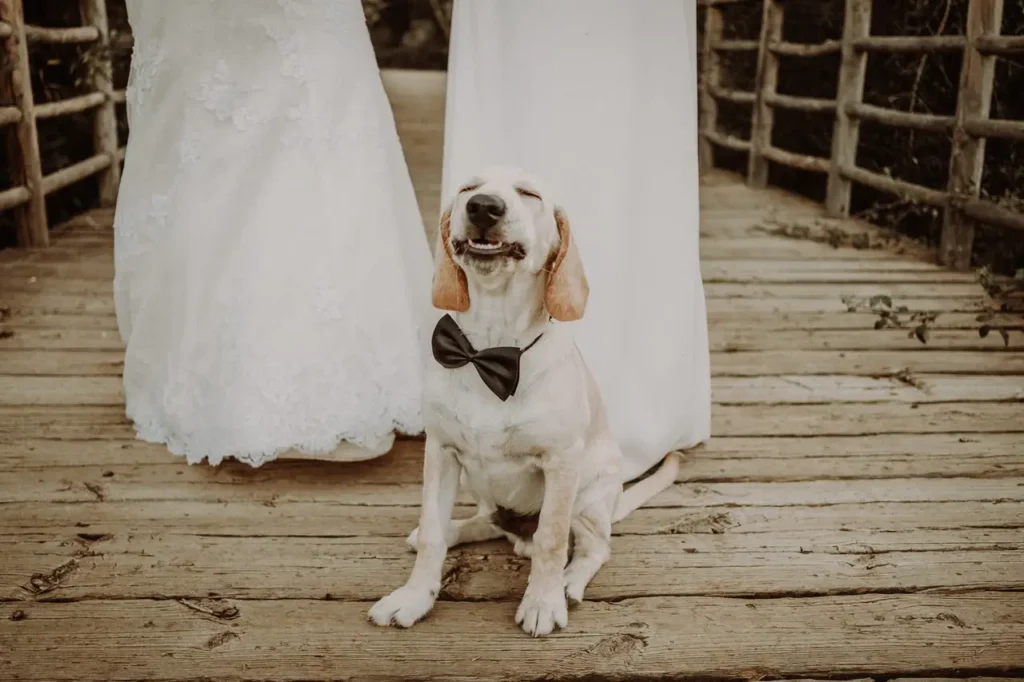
(450, 290)
(566, 296)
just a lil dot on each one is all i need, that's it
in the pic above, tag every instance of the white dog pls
(528, 440)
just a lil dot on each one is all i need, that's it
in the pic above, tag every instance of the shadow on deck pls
(858, 513)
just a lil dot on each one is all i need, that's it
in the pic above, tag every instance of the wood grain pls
(651, 638)
(857, 515)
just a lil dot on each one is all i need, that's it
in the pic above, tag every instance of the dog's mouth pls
(488, 249)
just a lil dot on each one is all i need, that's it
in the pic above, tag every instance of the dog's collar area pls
(498, 367)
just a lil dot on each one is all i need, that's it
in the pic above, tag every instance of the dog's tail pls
(641, 491)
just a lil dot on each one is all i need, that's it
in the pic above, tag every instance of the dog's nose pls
(484, 210)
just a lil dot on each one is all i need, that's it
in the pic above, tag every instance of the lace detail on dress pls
(265, 285)
(145, 65)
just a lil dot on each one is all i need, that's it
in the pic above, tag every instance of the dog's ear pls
(566, 296)
(450, 290)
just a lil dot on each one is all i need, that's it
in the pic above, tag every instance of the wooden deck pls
(859, 513)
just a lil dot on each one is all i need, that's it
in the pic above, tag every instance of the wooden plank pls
(396, 481)
(783, 290)
(905, 388)
(967, 154)
(908, 388)
(720, 270)
(899, 339)
(862, 319)
(102, 304)
(65, 303)
(850, 90)
(860, 363)
(841, 271)
(727, 420)
(364, 568)
(60, 254)
(71, 270)
(947, 290)
(871, 363)
(63, 339)
(635, 638)
(752, 247)
(61, 363)
(850, 420)
(720, 321)
(91, 240)
(862, 524)
(21, 319)
(770, 248)
(723, 458)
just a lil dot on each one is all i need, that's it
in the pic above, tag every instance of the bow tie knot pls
(498, 367)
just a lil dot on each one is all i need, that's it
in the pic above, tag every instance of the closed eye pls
(469, 188)
(523, 192)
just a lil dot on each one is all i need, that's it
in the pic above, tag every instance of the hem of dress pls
(159, 436)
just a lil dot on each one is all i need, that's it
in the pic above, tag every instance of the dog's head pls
(501, 225)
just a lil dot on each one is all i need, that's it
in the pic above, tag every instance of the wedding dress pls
(272, 277)
(599, 99)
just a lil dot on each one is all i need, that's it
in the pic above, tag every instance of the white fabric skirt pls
(272, 278)
(599, 99)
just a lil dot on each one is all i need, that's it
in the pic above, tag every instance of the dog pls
(526, 432)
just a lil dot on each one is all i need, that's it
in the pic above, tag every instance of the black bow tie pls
(498, 367)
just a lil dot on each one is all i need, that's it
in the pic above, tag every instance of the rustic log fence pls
(20, 112)
(969, 128)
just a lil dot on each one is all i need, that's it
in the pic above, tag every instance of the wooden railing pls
(27, 196)
(969, 128)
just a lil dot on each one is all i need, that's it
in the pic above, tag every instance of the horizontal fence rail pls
(21, 114)
(969, 128)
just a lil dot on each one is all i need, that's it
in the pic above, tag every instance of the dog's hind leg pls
(592, 534)
(477, 528)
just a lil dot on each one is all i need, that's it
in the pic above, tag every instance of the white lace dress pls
(272, 277)
(599, 98)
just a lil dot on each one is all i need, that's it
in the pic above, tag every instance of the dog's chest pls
(499, 444)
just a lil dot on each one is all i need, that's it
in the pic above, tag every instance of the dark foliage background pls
(901, 81)
(413, 34)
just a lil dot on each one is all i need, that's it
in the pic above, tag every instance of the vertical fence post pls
(846, 132)
(94, 13)
(967, 160)
(23, 142)
(765, 84)
(710, 74)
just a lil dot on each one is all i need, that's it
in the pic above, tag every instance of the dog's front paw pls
(403, 607)
(542, 611)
